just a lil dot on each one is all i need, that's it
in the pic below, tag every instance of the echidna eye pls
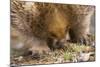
(53, 35)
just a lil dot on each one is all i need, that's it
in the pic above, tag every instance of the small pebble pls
(19, 58)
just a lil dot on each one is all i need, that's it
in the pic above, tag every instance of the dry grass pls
(72, 53)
